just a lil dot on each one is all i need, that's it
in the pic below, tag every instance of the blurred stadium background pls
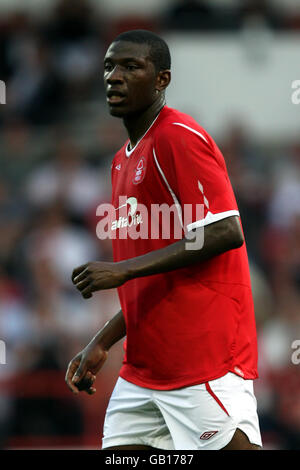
(234, 62)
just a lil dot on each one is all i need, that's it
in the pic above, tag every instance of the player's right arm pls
(82, 369)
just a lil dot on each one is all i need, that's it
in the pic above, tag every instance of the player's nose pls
(115, 76)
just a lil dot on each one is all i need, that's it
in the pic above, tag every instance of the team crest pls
(140, 171)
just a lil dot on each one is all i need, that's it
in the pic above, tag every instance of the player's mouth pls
(115, 97)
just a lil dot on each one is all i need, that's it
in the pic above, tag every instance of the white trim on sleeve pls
(211, 218)
(190, 129)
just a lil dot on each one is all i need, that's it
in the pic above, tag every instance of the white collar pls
(129, 152)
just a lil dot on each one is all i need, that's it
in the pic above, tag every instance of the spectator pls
(34, 91)
(74, 33)
(68, 178)
(200, 15)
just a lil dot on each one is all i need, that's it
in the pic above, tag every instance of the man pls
(187, 311)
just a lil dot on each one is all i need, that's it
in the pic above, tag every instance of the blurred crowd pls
(56, 146)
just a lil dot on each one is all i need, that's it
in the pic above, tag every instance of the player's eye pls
(131, 67)
(108, 67)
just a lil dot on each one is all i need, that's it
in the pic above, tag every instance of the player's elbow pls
(235, 235)
(237, 241)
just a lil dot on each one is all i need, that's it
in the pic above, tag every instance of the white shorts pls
(202, 417)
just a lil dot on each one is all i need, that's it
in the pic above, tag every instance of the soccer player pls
(186, 307)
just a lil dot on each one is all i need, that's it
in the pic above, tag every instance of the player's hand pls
(99, 275)
(82, 369)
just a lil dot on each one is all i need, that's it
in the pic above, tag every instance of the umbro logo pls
(207, 435)
(118, 167)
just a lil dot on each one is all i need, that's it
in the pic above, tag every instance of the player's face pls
(129, 78)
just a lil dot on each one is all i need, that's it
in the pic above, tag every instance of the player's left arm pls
(217, 238)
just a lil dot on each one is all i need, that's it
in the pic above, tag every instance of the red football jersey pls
(193, 324)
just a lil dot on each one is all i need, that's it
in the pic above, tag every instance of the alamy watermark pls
(136, 221)
(296, 94)
(296, 354)
(2, 352)
(2, 92)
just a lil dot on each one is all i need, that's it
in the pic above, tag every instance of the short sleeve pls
(194, 171)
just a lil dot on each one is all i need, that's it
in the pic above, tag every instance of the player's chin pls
(118, 111)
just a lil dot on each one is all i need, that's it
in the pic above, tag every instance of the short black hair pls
(159, 49)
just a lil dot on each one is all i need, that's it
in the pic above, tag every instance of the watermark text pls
(133, 220)
(296, 94)
(296, 354)
(2, 352)
(2, 92)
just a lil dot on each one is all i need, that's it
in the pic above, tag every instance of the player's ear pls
(163, 79)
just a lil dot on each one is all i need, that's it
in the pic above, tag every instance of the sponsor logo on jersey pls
(139, 171)
(118, 167)
(132, 218)
(207, 435)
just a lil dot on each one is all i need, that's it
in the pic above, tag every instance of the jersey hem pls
(126, 374)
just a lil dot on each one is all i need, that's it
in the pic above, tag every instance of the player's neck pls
(138, 125)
